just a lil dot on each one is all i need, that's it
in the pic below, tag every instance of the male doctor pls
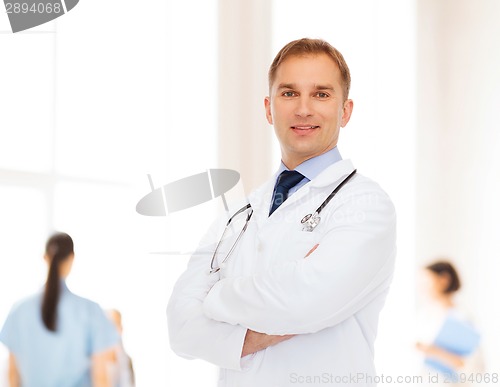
(293, 306)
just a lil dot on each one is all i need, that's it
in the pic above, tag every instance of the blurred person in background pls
(449, 341)
(56, 338)
(120, 369)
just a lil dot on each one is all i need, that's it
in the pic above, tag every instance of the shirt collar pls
(63, 286)
(314, 166)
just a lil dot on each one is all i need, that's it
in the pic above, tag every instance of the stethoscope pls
(309, 222)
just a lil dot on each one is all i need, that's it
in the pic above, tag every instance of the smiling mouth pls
(305, 127)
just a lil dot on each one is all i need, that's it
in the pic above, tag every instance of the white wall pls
(244, 140)
(458, 159)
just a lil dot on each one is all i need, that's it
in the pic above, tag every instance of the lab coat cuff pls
(235, 347)
(234, 344)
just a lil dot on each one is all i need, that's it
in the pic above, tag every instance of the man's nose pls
(304, 107)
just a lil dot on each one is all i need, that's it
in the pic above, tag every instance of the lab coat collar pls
(260, 199)
(333, 173)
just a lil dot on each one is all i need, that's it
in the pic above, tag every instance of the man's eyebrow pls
(317, 87)
(286, 86)
(325, 87)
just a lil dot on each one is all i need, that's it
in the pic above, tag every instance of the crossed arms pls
(220, 321)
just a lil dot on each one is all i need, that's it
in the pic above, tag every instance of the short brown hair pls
(306, 46)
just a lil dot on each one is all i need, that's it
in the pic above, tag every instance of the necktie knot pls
(286, 180)
(289, 179)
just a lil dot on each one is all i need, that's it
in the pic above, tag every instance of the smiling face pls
(307, 108)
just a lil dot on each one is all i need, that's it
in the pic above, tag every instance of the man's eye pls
(322, 95)
(288, 94)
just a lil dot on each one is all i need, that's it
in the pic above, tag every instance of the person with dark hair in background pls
(56, 338)
(452, 339)
(448, 280)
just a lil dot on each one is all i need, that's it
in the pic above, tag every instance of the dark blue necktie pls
(286, 180)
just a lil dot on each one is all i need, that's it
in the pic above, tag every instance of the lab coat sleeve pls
(192, 334)
(352, 266)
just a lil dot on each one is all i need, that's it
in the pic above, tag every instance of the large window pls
(90, 104)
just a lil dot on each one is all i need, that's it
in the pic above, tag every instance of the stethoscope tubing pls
(334, 192)
(249, 206)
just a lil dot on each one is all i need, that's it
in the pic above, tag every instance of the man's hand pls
(255, 341)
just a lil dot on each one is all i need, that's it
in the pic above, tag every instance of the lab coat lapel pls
(329, 177)
(261, 198)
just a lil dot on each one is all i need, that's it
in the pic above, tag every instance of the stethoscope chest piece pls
(310, 222)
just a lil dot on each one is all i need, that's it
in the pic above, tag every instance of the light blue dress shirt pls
(61, 358)
(313, 167)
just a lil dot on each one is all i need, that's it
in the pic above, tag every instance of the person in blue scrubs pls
(450, 341)
(56, 338)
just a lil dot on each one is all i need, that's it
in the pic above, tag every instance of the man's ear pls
(267, 105)
(346, 112)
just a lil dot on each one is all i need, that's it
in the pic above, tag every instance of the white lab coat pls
(331, 299)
